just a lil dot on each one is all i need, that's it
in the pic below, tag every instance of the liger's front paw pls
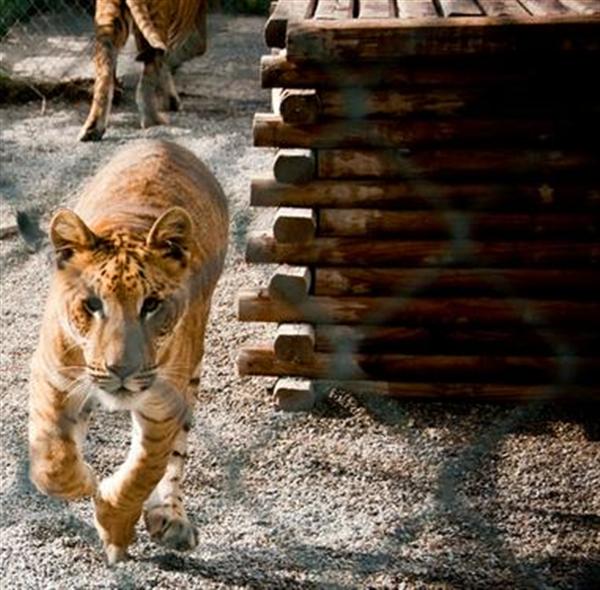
(171, 530)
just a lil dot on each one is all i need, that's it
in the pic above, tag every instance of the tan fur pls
(124, 326)
(159, 26)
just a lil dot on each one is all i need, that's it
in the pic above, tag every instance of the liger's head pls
(122, 295)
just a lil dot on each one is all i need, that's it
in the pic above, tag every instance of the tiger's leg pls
(168, 92)
(112, 29)
(57, 427)
(120, 498)
(164, 513)
(148, 89)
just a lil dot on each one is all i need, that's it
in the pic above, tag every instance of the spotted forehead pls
(122, 265)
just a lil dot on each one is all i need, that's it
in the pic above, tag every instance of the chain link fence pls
(51, 41)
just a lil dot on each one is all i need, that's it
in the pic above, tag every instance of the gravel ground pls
(362, 492)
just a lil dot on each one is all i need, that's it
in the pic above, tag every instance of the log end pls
(294, 395)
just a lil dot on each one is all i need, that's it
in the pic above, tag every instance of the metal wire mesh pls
(40, 40)
(44, 40)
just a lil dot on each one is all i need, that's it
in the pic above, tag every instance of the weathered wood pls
(380, 223)
(427, 340)
(376, 9)
(408, 195)
(255, 305)
(376, 40)
(496, 392)
(276, 100)
(262, 247)
(290, 283)
(582, 6)
(271, 131)
(294, 166)
(453, 8)
(503, 8)
(294, 225)
(535, 101)
(294, 394)
(334, 10)
(416, 9)
(504, 282)
(284, 11)
(298, 106)
(457, 163)
(261, 360)
(545, 7)
(294, 342)
(411, 74)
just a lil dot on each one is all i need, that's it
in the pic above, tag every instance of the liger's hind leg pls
(164, 513)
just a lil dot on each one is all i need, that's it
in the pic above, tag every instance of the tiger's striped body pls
(159, 26)
(124, 327)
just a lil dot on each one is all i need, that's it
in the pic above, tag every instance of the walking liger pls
(136, 265)
(159, 26)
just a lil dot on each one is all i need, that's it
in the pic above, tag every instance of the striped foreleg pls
(121, 497)
(164, 513)
(57, 427)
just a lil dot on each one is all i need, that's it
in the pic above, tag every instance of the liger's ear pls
(172, 234)
(68, 232)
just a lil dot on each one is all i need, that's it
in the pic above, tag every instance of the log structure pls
(436, 195)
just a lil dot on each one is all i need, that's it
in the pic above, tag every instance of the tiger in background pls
(137, 262)
(159, 26)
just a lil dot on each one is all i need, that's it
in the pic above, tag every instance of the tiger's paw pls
(150, 119)
(170, 529)
(91, 133)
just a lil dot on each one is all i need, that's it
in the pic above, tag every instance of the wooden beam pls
(271, 131)
(536, 100)
(376, 9)
(376, 40)
(451, 340)
(543, 165)
(283, 12)
(424, 195)
(582, 6)
(299, 106)
(294, 166)
(496, 392)
(261, 360)
(290, 283)
(294, 225)
(334, 10)
(454, 8)
(380, 223)
(416, 9)
(412, 74)
(255, 305)
(457, 282)
(294, 342)
(294, 395)
(545, 7)
(262, 247)
(503, 8)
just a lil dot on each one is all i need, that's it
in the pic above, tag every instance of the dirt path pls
(360, 493)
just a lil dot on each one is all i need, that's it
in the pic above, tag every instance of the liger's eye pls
(150, 305)
(92, 305)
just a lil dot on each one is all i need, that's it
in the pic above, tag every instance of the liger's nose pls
(121, 371)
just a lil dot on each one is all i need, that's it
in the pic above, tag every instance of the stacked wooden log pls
(438, 200)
